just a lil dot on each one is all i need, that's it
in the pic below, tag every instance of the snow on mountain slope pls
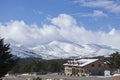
(58, 49)
(61, 49)
(23, 52)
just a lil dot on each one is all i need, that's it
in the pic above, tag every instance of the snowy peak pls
(99, 46)
(62, 49)
(23, 52)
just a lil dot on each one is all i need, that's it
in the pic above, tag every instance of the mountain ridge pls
(61, 50)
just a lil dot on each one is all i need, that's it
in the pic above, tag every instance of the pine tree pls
(114, 60)
(7, 60)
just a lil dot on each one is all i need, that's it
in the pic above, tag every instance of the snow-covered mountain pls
(62, 49)
(23, 52)
(58, 49)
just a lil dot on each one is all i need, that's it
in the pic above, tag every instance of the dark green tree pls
(114, 60)
(7, 60)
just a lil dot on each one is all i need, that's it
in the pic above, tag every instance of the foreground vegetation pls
(7, 60)
(39, 66)
(114, 60)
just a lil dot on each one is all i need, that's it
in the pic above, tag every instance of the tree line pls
(114, 61)
(39, 66)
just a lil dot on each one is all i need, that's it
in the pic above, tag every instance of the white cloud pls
(64, 27)
(110, 5)
(64, 21)
(96, 13)
(37, 12)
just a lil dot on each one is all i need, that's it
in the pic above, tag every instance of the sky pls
(79, 21)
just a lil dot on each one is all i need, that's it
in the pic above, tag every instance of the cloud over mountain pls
(64, 28)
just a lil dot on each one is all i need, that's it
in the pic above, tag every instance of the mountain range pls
(61, 50)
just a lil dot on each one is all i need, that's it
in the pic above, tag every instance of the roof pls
(80, 63)
(84, 62)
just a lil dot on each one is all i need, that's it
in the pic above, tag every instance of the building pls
(85, 67)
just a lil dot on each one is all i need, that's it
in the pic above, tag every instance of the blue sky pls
(91, 16)
(36, 22)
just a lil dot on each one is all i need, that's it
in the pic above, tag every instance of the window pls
(93, 65)
(99, 65)
(77, 70)
(69, 70)
(81, 71)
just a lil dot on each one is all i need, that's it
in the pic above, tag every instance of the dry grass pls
(77, 78)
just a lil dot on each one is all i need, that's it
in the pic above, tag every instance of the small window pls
(81, 71)
(93, 65)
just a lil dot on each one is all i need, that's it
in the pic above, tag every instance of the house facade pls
(85, 67)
